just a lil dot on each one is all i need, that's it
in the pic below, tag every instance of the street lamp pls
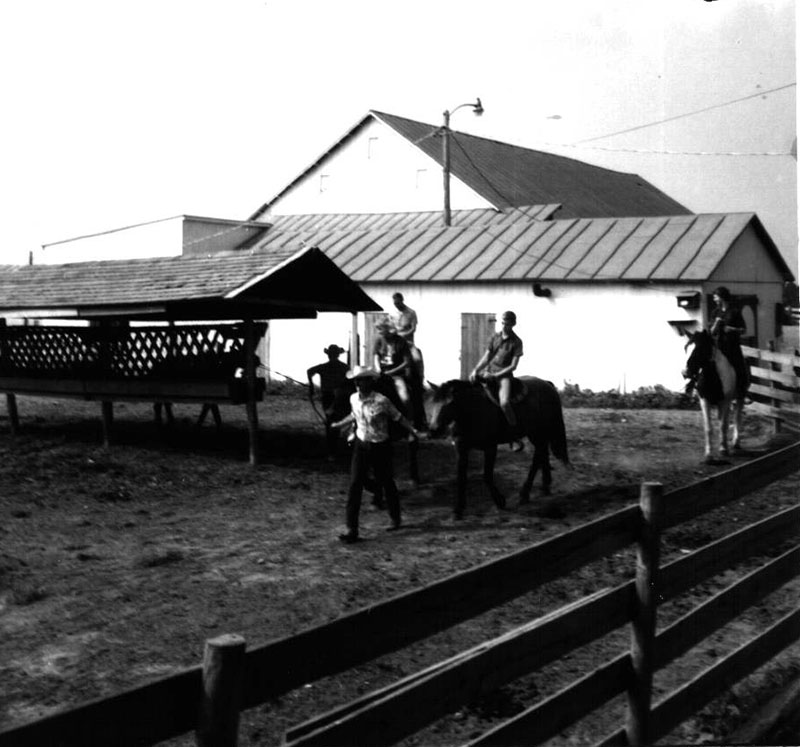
(477, 109)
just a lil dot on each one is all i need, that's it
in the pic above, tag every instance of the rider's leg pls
(402, 390)
(504, 395)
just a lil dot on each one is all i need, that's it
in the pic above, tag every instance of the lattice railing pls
(200, 351)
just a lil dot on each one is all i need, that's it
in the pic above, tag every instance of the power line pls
(686, 114)
(674, 152)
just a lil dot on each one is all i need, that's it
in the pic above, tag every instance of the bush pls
(647, 397)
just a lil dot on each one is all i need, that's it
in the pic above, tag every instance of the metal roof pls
(402, 221)
(282, 281)
(512, 176)
(674, 248)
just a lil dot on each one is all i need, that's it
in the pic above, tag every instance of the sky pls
(120, 113)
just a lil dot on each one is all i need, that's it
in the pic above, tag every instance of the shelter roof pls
(512, 176)
(282, 282)
(668, 248)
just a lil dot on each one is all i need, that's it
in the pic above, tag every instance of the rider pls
(392, 357)
(405, 322)
(334, 389)
(727, 329)
(498, 363)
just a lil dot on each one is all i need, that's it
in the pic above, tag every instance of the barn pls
(601, 267)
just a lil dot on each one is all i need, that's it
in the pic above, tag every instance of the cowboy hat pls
(333, 350)
(362, 372)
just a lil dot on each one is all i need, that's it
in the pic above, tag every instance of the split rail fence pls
(775, 386)
(208, 699)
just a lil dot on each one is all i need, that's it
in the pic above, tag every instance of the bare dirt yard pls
(116, 566)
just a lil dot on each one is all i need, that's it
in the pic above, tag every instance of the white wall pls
(583, 334)
(162, 238)
(377, 171)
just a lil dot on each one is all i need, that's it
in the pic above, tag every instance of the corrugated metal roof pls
(402, 221)
(683, 247)
(511, 176)
(301, 276)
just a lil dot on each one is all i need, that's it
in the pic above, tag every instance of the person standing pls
(334, 392)
(498, 364)
(372, 413)
(727, 329)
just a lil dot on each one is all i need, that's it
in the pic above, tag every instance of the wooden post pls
(354, 351)
(223, 666)
(643, 624)
(13, 415)
(250, 379)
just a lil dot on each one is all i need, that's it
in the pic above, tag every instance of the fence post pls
(13, 414)
(643, 627)
(223, 665)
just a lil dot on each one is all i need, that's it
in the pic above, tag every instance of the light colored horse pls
(713, 377)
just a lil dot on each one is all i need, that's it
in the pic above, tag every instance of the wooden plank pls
(142, 716)
(695, 499)
(393, 713)
(786, 359)
(279, 666)
(773, 393)
(686, 701)
(788, 379)
(789, 419)
(683, 574)
(551, 716)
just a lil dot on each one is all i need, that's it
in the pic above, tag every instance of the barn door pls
(476, 330)
(371, 318)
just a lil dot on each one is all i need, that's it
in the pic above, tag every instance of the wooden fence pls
(184, 702)
(775, 386)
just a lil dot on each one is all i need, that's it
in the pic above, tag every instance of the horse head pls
(440, 405)
(702, 354)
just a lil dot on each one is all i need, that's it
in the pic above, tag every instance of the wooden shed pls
(150, 329)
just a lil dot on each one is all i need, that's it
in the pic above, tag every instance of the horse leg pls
(738, 407)
(724, 417)
(525, 490)
(706, 414)
(462, 460)
(542, 453)
(489, 458)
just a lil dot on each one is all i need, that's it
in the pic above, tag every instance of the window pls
(422, 178)
(324, 182)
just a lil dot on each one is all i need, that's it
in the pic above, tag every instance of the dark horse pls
(478, 423)
(712, 375)
(385, 385)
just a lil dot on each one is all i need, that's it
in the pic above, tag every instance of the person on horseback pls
(405, 322)
(727, 329)
(372, 413)
(392, 357)
(498, 364)
(334, 392)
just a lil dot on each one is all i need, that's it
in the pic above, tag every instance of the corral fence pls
(775, 386)
(208, 698)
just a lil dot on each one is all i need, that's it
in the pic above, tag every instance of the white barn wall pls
(583, 334)
(376, 171)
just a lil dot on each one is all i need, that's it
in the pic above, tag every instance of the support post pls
(223, 667)
(250, 379)
(643, 627)
(13, 415)
(355, 353)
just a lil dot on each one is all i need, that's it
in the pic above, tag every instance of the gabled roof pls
(684, 248)
(512, 176)
(287, 283)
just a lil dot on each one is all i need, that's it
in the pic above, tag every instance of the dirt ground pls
(116, 566)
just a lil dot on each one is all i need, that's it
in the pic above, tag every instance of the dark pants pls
(379, 457)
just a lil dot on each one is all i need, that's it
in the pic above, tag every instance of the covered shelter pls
(149, 329)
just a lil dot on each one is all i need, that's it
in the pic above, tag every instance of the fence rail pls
(172, 703)
(775, 386)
